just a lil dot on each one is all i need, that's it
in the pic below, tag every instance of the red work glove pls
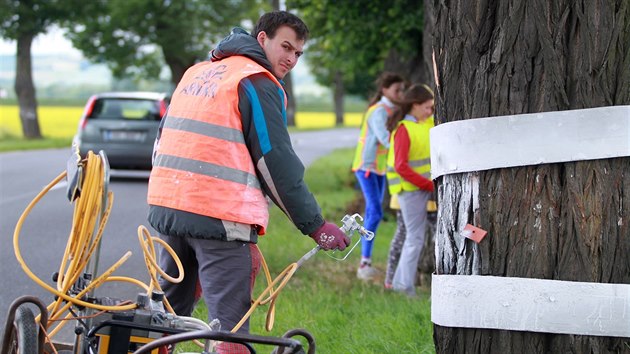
(330, 237)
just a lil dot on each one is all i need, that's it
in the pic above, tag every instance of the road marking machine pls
(106, 325)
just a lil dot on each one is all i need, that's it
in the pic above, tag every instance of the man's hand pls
(330, 237)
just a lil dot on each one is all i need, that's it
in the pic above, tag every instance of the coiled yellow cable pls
(27, 270)
(83, 242)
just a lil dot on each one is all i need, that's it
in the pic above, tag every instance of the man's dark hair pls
(271, 21)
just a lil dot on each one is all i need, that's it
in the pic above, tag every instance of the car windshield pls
(119, 108)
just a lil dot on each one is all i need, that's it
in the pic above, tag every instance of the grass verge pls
(324, 296)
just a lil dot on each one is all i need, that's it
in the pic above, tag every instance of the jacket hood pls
(239, 42)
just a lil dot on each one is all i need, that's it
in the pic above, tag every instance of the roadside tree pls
(353, 41)
(22, 21)
(135, 37)
(561, 221)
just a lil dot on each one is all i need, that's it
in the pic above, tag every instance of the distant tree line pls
(351, 41)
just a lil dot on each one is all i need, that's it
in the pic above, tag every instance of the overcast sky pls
(52, 42)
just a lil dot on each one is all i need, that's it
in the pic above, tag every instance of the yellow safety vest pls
(419, 155)
(380, 160)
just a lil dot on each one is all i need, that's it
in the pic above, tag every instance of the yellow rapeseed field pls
(60, 122)
(307, 120)
(54, 122)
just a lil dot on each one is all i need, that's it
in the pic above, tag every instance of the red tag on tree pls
(474, 233)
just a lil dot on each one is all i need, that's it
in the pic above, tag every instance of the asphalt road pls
(45, 231)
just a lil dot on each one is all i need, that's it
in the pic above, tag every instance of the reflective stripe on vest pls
(415, 165)
(419, 155)
(380, 160)
(202, 164)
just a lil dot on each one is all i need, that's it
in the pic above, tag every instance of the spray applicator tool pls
(350, 226)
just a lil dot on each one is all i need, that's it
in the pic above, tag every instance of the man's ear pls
(261, 37)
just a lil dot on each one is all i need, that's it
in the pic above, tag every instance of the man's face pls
(283, 51)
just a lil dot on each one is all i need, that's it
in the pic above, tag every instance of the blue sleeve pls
(280, 171)
(377, 122)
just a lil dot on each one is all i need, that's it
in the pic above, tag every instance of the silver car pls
(124, 125)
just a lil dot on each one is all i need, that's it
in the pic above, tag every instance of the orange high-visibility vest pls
(202, 164)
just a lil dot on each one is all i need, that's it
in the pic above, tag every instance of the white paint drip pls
(538, 224)
(475, 191)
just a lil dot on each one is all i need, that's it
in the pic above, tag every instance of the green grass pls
(12, 143)
(324, 297)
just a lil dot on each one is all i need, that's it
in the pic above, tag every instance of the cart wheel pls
(295, 332)
(23, 339)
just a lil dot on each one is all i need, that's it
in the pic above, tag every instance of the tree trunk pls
(177, 66)
(24, 88)
(419, 68)
(339, 93)
(427, 43)
(414, 70)
(288, 88)
(426, 263)
(567, 220)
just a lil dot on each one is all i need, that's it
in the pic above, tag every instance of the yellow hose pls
(78, 250)
(82, 243)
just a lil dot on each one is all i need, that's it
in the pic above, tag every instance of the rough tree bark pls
(563, 221)
(25, 89)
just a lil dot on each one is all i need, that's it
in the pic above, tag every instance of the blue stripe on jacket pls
(258, 116)
(284, 111)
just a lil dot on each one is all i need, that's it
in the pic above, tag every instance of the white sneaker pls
(366, 272)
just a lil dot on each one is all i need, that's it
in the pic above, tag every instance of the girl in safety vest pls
(408, 173)
(370, 161)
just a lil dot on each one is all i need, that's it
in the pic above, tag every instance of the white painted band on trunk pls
(535, 305)
(530, 139)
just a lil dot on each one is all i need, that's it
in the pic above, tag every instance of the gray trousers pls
(226, 271)
(413, 206)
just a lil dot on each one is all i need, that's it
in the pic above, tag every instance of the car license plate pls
(123, 135)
